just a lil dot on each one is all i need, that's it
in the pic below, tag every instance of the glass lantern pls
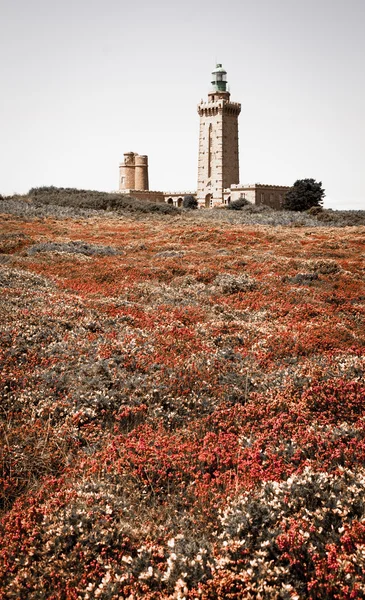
(219, 79)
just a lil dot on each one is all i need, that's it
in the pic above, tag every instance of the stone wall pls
(176, 198)
(145, 195)
(271, 195)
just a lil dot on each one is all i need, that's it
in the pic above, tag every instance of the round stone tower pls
(133, 172)
(127, 172)
(141, 172)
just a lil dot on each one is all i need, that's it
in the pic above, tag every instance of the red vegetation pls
(182, 410)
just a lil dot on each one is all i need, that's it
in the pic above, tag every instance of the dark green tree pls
(190, 202)
(304, 194)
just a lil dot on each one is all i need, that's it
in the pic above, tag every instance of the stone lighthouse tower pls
(218, 166)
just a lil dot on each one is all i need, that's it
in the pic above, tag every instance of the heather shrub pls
(294, 538)
(258, 208)
(17, 278)
(77, 247)
(302, 278)
(325, 267)
(315, 210)
(181, 420)
(231, 284)
(72, 198)
(341, 218)
(170, 254)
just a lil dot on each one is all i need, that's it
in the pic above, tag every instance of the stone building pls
(257, 193)
(218, 162)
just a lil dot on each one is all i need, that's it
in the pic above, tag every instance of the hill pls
(61, 202)
(182, 410)
(71, 202)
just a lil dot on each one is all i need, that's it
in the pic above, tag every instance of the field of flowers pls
(182, 409)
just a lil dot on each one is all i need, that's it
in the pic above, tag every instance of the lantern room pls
(219, 79)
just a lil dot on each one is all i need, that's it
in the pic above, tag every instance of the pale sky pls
(84, 81)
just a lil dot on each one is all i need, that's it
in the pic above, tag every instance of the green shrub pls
(190, 202)
(238, 204)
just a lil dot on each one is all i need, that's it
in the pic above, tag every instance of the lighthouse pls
(218, 162)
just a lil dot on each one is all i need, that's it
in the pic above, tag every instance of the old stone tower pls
(133, 173)
(218, 166)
